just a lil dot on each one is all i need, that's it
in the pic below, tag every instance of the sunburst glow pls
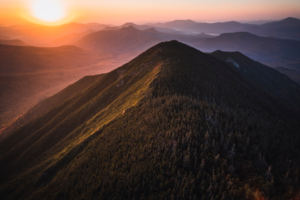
(48, 10)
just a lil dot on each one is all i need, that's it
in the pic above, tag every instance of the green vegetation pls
(173, 123)
(272, 83)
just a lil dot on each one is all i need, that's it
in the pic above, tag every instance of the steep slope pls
(269, 80)
(29, 74)
(293, 73)
(172, 123)
(270, 51)
(51, 102)
(13, 42)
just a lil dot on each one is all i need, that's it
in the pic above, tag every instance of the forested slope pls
(174, 123)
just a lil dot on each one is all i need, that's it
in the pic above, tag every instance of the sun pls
(48, 10)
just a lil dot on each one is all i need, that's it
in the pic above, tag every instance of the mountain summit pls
(173, 123)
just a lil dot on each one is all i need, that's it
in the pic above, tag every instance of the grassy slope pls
(172, 122)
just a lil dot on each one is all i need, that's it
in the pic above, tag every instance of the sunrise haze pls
(118, 12)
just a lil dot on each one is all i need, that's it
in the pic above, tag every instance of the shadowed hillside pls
(29, 74)
(268, 80)
(173, 123)
(51, 102)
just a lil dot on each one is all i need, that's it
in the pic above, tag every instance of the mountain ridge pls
(172, 122)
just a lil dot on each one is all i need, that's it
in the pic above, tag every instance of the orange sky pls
(120, 11)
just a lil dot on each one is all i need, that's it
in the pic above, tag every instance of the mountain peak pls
(157, 115)
(183, 21)
(288, 22)
(129, 28)
(291, 19)
(129, 24)
(151, 30)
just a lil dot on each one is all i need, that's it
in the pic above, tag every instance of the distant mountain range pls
(274, 52)
(172, 123)
(69, 39)
(287, 28)
(270, 51)
(127, 41)
(198, 27)
(130, 39)
(35, 34)
(29, 74)
(13, 42)
(144, 27)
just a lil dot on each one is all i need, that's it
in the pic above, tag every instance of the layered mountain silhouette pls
(286, 28)
(144, 27)
(35, 34)
(130, 39)
(13, 42)
(172, 123)
(118, 41)
(275, 52)
(192, 26)
(29, 74)
(29, 59)
(270, 51)
(69, 39)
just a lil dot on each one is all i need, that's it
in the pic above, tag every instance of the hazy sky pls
(139, 11)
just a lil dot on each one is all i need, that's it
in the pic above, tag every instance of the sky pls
(142, 11)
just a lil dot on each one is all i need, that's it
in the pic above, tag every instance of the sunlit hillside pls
(173, 122)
